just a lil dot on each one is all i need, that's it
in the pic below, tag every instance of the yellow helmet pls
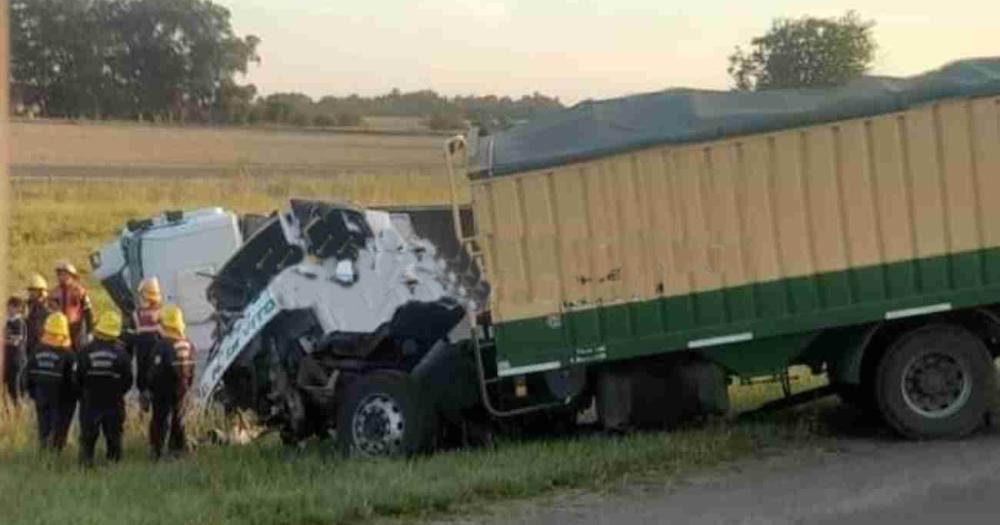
(56, 331)
(66, 266)
(109, 325)
(172, 320)
(38, 282)
(149, 289)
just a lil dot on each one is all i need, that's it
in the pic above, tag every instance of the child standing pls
(14, 340)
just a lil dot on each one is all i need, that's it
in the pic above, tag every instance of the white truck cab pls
(183, 250)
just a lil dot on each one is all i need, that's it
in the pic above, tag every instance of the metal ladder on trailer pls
(481, 340)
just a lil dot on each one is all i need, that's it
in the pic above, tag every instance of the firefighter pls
(170, 377)
(14, 341)
(38, 311)
(50, 382)
(70, 298)
(103, 376)
(146, 322)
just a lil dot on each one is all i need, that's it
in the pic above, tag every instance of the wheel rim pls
(378, 426)
(936, 385)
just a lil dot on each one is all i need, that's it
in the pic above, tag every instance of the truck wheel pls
(936, 382)
(382, 416)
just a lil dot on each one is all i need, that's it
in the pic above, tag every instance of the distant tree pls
(284, 107)
(805, 52)
(324, 121)
(348, 119)
(234, 103)
(178, 54)
(299, 119)
(441, 121)
(155, 59)
(60, 50)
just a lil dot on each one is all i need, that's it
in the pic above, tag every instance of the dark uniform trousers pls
(104, 373)
(168, 417)
(50, 382)
(15, 335)
(142, 344)
(170, 377)
(95, 420)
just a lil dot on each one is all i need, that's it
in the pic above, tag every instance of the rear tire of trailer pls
(382, 415)
(936, 381)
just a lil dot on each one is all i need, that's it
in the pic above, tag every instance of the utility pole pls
(4, 157)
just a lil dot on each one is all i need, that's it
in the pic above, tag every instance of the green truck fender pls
(842, 350)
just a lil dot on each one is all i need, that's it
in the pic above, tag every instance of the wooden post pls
(4, 176)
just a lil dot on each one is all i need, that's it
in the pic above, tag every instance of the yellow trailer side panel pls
(670, 221)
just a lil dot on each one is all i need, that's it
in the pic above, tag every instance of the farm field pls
(266, 483)
(114, 150)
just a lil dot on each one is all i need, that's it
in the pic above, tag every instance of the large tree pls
(805, 52)
(158, 59)
(59, 50)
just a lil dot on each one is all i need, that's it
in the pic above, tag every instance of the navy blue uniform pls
(170, 377)
(104, 376)
(15, 339)
(50, 382)
(142, 343)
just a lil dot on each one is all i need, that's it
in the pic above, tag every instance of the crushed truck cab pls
(320, 300)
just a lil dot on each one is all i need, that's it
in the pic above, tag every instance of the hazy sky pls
(573, 49)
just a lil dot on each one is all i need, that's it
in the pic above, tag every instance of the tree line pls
(441, 112)
(180, 60)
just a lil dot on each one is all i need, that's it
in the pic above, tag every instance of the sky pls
(573, 49)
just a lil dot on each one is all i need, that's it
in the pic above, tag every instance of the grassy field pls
(128, 150)
(266, 483)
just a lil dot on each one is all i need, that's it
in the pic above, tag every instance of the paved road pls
(866, 480)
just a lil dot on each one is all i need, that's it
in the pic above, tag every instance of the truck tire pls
(936, 382)
(382, 415)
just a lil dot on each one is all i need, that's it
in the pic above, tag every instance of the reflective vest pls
(71, 300)
(147, 320)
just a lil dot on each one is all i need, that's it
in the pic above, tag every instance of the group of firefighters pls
(61, 354)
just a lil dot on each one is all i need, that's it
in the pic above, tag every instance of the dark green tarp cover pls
(677, 116)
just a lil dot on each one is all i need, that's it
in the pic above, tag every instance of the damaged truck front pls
(338, 321)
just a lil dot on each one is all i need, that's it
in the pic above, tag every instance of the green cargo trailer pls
(644, 250)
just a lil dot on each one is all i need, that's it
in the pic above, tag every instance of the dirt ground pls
(866, 476)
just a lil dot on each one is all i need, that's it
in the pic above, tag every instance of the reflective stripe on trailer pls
(920, 310)
(527, 369)
(721, 340)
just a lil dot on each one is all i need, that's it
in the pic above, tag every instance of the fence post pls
(4, 174)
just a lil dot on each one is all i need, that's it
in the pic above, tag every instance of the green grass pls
(267, 483)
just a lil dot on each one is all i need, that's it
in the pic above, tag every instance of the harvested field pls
(124, 149)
